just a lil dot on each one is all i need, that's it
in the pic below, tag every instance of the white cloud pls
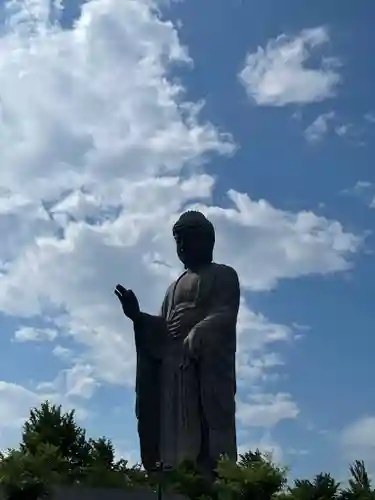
(15, 404)
(100, 153)
(319, 127)
(252, 369)
(17, 400)
(325, 124)
(272, 244)
(266, 410)
(343, 129)
(364, 190)
(30, 334)
(358, 439)
(266, 445)
(279, 74)
(124, 451)
(62, 352)
(77, 381)
(359, 188)
(256, 337)
(362, 185)
(262, 330)
(370, 117)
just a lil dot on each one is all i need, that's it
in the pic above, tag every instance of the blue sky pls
(114, 119)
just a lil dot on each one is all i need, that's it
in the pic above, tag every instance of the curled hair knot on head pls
(192, 219)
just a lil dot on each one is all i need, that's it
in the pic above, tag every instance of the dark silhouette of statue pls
(186, 382)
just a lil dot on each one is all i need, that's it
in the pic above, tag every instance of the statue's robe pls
(186, 407)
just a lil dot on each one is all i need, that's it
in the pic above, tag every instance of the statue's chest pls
(189, 302)
(187, 289)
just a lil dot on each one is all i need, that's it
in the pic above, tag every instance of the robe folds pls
(185, 404)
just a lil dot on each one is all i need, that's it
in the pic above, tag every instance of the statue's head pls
(195, 239)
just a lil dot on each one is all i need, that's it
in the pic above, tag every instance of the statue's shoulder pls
(224, 272)
(172, 286)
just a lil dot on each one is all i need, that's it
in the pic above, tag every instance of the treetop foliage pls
(54, 450)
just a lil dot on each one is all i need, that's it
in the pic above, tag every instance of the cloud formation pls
(281, 73)
(29, 334)
(101, 151)
(327, 124)
(266, 410)
(358, 439)
(319, 127)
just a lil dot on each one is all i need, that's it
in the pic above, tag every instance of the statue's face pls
(194, 247)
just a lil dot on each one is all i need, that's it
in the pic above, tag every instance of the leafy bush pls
(54, 450)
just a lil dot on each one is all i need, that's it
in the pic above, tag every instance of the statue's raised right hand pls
(129, 302)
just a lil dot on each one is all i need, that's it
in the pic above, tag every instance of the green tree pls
(249, 458)
(76, 459)
(322, 487)
(360, 487)
(186, 480)
(254, 477)
(102, 452)
(102, 470)
(26, 476)
(54, 450)
(48, 424)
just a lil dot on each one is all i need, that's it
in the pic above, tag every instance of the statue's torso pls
(188, 302)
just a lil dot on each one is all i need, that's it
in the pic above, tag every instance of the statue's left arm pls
(221, 316)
